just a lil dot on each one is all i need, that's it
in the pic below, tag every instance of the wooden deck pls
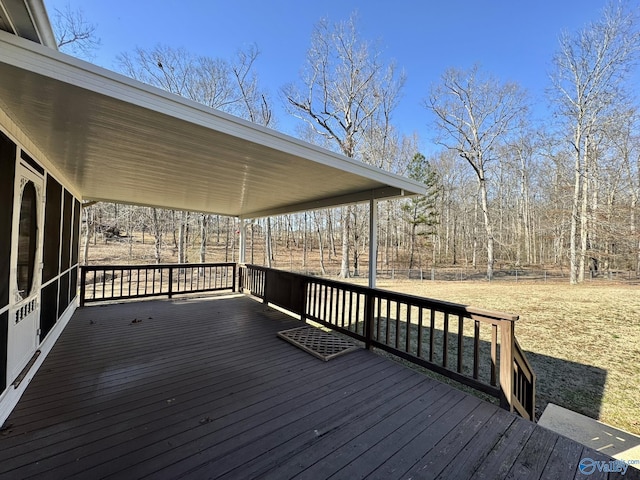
(204, 389)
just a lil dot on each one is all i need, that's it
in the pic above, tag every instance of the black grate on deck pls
(317, 342)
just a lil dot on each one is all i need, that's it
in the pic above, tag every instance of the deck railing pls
(120, 282)
(473, 346)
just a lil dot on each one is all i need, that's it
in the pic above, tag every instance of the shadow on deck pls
(203, 388)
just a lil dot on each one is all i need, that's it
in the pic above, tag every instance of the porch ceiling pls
(119, 140)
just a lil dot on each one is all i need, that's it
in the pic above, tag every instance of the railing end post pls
(507, 331)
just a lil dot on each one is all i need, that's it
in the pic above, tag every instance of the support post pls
(373, 241)
(243, 242)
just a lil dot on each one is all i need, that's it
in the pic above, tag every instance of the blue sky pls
(513, 40)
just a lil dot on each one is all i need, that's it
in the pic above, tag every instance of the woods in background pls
(501, 189)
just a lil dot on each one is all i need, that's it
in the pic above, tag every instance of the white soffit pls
(119, 140)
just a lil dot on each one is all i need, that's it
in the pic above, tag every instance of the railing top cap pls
(414, 299)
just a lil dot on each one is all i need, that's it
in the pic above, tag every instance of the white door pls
(26, 269)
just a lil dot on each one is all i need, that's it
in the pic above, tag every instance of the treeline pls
(502, 188)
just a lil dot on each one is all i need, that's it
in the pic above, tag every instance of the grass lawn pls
(583, 341)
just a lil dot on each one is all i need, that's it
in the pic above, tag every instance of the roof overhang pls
(120, 140)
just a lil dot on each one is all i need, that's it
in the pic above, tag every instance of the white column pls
(243, 241)
(373, 241)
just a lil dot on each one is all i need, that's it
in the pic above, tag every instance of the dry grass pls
(583, 341)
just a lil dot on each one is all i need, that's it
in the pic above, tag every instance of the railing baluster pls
(408, 330)
(460, 342)
(357, 319)
(476, 348)
(432, 339)
(445, 341)
(344, 304)
(397, 324)
(388, 321)
(494, 354)
(377, 314)
(419, 346)
(325, 299)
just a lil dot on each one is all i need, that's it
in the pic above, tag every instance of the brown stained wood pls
(460, 352)
(494, 353)
(564, 459)
(498, 462)
(367, 462)
(506, 365)
(204, 388)
(445, 341)
(534, 455)
(438, 458)
(328, 434)
(432, 339)
(361, 451)
(211, 441)
(420, 327)
(398, 463)
(469, 458)
(476, 348)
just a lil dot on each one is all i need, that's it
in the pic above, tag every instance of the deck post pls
(243, 241)
(507, 335)
(373, 241)
(170, 293)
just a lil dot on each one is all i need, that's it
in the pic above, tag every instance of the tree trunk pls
(157, 235)
(577, 187)
(226, 241)
(488, 227)
(203, 238)
(304, 243)
(88, 220)
(584, 225)
(320, 244)
(182, 242)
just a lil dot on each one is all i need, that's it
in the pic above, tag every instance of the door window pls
(27, 239)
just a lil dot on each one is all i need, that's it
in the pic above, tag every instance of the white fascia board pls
(331, 202)
(58, 66)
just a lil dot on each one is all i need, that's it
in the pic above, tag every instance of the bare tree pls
(230, 86)
(591, 68)
(475, 114)
(74, 33)
(345, 87)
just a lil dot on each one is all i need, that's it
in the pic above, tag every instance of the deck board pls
(203, 388)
